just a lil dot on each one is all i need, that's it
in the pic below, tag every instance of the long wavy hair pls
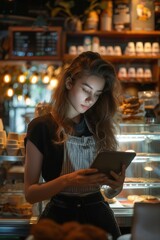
(101, 115)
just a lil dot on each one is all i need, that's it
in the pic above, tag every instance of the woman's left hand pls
(118, 179)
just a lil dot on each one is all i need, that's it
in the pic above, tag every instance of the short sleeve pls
(38, 133)
(42, 133)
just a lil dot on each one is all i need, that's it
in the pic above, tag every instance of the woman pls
(62, 145)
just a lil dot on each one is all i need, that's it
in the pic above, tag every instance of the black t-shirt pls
(41, 132)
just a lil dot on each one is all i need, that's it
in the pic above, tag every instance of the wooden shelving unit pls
(114, 38)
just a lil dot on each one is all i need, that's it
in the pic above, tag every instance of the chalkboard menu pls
(35, 43)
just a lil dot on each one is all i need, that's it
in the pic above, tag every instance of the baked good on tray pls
(143, 198)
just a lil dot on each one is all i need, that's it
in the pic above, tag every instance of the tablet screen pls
(112, 160)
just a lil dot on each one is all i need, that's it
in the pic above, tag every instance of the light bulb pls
(10, 92)
(28, 101)
(19, 97)
(45, 79)
(34, 78)
(21, 78)
(53, 83)
(7, 78)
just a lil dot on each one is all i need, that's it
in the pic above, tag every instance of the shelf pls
(115, 33)
(123, 58)
(13, 221)
(122, 38)
(14, 227)
(122, 212)
(11, 158)
(22, 61)
(139, 125)
(138, 137)
(137, 81)
(136, 128)
(141, 185)
(154, 155)
(143, 157)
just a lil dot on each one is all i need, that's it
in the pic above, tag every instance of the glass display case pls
(142, 182)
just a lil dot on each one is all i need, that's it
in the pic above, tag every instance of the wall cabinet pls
(144, 60)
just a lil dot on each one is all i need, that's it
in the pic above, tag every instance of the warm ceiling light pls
(10, 92)
(45, 79)
(7, 78)
(19, 97)
(21, 78)
(57, 71)
(27, 99)
(53, 82)
(34, 78)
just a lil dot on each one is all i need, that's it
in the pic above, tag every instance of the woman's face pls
(83, 94)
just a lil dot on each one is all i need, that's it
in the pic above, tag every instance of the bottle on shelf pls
(106, 17)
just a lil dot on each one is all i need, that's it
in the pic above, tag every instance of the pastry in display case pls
(15, 212)
(12, 200)
(132, 109)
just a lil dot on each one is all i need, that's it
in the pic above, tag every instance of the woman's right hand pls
(82, 177)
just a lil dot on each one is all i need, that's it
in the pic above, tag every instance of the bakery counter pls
(124, 216)
(14, 227)
(20, 227)
(142, 182)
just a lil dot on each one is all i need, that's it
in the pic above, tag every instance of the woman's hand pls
(84, 177)
(118, 181)
(91, 176)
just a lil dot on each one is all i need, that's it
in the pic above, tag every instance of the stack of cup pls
(102, 50)
(2, 141)
(122, 73)
(21, 143)
(12, 144)
(147, 48)
(132, 73)
(109, 50)
(139, 48)
(147, 74)
(155, 48)
(140, 74)
(117, 51)
(130, 49)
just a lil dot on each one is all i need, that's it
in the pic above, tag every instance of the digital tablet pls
(112, 161)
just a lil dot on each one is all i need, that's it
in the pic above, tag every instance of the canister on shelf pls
(80, 49)
(73, 50)
(87, 43)
(155, 48)
(95, 44)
